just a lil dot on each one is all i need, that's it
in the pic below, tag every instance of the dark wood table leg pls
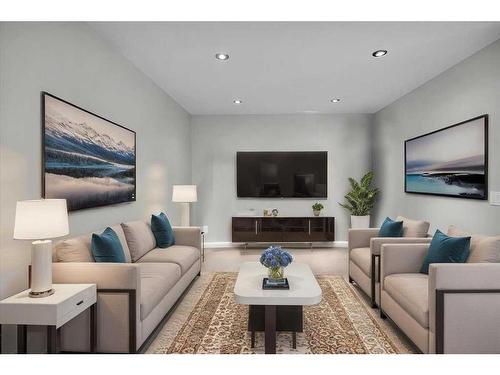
(294, 340)
(93, 328)
(22, 342)
(52, 340)
(270, 331)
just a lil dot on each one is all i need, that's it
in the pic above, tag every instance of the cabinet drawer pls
(75, 305)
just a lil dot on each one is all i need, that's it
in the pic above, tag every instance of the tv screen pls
(282, 174)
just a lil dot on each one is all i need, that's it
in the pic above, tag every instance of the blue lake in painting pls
(438, 185)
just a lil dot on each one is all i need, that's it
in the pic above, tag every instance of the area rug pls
(209, 321)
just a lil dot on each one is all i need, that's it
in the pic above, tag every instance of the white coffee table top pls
(304, 289)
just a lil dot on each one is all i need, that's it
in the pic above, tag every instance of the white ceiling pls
(294, 67)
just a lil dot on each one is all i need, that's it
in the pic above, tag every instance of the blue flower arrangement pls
(275, 259)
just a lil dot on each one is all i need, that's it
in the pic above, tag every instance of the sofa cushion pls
(391, 228)
(410, 291)
(79, 249)
(75, 249)
(483, 249)
(156, 281)
(162, 230)
(140, 238)
(446, 249)
(184, 256)
(414, 228)
(361, 256)
(106, 247)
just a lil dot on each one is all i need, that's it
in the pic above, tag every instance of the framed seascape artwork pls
(452, 161)
(87, 159)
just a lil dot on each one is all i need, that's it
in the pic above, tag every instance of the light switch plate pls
(495, 198)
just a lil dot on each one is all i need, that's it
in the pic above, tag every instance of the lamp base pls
(42, 294)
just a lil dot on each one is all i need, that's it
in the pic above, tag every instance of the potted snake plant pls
(360, 200)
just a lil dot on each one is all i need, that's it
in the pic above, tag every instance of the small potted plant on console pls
(317, 207)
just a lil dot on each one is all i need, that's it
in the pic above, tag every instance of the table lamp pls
(41, 220)
(184, 194)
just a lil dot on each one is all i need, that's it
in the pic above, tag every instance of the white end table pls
(304, 290)
(68, 301)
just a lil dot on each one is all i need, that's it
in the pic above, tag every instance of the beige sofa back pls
(483, 249)
(414, 228)
(140, 238)
(78, 249)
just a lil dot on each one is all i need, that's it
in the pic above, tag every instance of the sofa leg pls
(350, 280)
(382, 314)
(199, 274)
(374, 305)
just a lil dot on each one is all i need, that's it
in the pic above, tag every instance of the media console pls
(311, 229)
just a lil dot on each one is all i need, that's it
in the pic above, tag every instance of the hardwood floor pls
(323, 261)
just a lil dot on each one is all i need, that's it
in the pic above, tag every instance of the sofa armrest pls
(377, 242)
(464, 283)
(188, 236)
(361, 237)
(401, 258)
(105, 275)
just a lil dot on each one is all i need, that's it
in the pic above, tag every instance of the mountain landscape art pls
(88, 160)
(452, 161)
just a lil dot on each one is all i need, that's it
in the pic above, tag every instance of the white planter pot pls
(360, 221)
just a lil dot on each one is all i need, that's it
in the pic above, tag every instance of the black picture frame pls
(485, 118)
(43, 95)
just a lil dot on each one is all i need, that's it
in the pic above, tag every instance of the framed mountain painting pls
(452, 161)
(88, 160)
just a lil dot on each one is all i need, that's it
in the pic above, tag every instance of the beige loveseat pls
(454, 309)
(364, 252)
(133, 297)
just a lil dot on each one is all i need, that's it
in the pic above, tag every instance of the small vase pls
(316, 212)
(276, 273)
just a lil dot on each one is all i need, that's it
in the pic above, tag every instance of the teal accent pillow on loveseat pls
(162, 230)
(446, 249)
(106, 247)
(391, 228)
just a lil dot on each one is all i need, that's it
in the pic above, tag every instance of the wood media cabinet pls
(252, 229)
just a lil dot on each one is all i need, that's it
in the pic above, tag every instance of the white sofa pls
(453, 309)
(133, 297)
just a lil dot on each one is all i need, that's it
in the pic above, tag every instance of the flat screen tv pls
(282, 174)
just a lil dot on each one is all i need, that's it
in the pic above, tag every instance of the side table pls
(68, 301)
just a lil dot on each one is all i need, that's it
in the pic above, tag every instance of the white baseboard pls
(211, 245)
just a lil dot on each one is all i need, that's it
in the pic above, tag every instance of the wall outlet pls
(204, 229)
(495, 198)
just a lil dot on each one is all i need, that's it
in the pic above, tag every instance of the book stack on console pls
(275, 284)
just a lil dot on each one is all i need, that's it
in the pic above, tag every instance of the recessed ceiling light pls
(237, 101)
(222, 56)
(379, 53)
(336, 100)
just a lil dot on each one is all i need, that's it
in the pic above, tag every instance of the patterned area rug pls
(208, 321)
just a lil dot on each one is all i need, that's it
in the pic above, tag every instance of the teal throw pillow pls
(391, 228)
(446, 249)
(106, 247)
(162, 230)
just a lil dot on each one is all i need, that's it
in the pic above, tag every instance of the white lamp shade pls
(184, 194)
(41, 219)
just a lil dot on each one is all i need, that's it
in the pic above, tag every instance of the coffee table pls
(304, 290)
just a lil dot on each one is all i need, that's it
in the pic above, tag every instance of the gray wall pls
(469, 89)
(215, 140)
(74, 63)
